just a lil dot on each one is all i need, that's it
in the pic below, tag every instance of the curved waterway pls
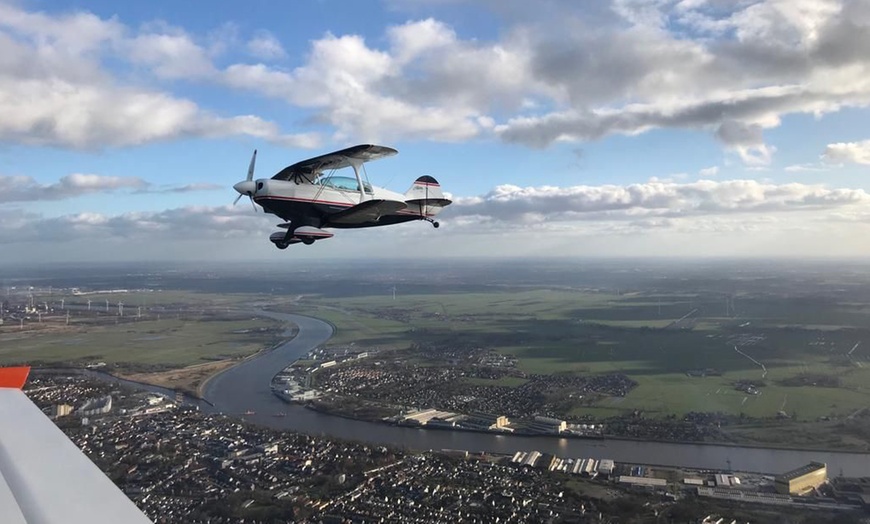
(246, 387)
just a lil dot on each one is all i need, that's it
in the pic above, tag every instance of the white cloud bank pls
(732, 217)
(19, 188)
(55, 90)
(568, 71)
(848, 152)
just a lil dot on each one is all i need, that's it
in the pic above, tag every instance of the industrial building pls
(547, 425)
(96, 406)
(60, 410)
(648, 482)
(802, 480)
(605, 467)
(486, 421)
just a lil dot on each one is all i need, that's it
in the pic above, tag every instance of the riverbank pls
(378, 416)
(610, 437)
(246, 387)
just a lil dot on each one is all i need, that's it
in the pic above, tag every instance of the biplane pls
(312, 196)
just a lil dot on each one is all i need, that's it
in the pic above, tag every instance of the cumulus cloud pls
(265, 46)
(708, 172)
(572, 72)
(848, 152)
(577, 72)
(55, 91)
(510, 204)
(27, 189)
(170, 53)
(194, 222)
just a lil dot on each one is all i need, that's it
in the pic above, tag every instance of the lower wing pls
(368, 211)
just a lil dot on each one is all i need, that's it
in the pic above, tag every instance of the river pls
(246, 387)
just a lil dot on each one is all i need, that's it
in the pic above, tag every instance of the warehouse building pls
(802, 480)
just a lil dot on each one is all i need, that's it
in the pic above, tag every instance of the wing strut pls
(356, 163)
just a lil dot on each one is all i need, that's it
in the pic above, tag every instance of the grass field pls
(588, 332)
(547, 330)
(165, 343)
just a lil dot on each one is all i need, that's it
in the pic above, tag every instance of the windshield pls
(344, 183)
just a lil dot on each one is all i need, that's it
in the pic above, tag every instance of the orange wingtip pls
(14, 377)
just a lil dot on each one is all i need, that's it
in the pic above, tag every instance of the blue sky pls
(612, 128)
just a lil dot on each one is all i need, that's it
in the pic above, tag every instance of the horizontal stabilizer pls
(440, 202)
(368, 211)
(14, 377)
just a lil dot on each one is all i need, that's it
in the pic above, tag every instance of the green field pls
(166, 343)
(547, 330)
(587, 332)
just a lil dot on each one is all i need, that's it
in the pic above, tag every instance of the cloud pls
(265, 46)
(55, 91)
(194, 222)
(806, 168)
(169, 53)
(27, 189)
(848, 152)
(729, 218)
(556, 72)
(709, 172)
(187, 188)
(509, 204)
(578, 74)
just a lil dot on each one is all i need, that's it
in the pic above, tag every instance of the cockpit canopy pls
(344, 183)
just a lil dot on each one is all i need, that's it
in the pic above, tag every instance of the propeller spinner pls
(248, 186)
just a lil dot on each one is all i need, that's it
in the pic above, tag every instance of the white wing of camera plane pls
(310, 196)
(44, 477)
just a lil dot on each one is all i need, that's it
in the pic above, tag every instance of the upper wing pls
(44, 477)
(312, 167)
(368, 211)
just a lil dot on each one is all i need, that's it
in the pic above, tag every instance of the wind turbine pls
(107, 305)
(120, 309)
(89, 304)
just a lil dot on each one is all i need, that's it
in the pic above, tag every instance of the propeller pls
(247, 186)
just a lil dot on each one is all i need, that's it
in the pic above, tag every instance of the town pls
(180, 465)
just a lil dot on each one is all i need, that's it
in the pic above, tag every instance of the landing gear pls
(434, 223)
(307, 241)
(281, 245)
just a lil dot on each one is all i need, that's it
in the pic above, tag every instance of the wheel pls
(281, 245)
(307, 241)
(435, 225)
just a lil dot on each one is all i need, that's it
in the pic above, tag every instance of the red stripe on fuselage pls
(309, 200)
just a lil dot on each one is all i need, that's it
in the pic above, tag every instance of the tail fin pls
(425, 187)
(14, 377)
(426, 197)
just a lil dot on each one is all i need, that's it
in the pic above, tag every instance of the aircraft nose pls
(245, 187)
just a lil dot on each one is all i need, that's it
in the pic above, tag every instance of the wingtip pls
(14, 377)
